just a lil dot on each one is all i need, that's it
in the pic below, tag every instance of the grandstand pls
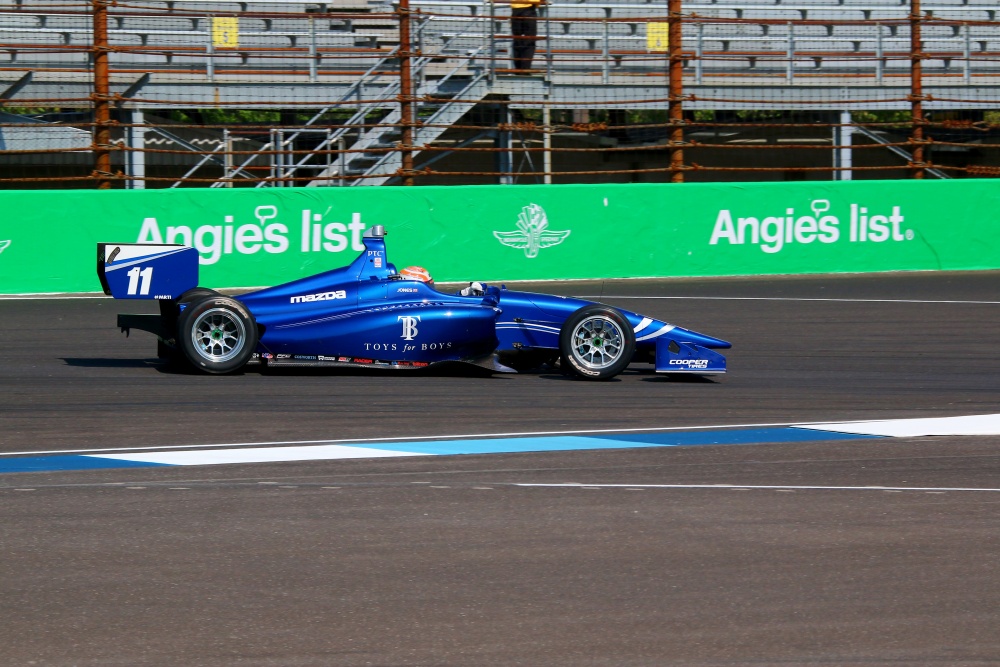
(333, 71)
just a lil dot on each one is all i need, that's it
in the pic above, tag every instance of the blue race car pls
(369, 315)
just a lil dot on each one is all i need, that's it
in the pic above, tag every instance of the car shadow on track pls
(457, 370)
(168, 367)
(680, 379)
(443, 370)
(91, 362)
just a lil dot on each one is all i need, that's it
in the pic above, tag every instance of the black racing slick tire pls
(217, 334)
(596, 342)
(196, 293)
(171, 310)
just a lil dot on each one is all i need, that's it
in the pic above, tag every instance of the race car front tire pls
(596, 342)
(217, 334)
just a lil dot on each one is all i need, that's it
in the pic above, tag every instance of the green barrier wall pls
(267, 236)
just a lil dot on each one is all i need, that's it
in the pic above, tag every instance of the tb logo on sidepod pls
(409, 326)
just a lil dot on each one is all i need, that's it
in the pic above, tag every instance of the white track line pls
(258, 455)
(755, 486)
(909, 428)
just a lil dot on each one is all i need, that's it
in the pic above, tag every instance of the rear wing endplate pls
(146, 270)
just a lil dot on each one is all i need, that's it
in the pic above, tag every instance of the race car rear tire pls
(596, 342)
(217, 334)
(168, 347)
(196, 293)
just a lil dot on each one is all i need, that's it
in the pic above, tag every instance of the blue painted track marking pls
(73, 462)
(421, 448)
(750, 436)
(567, 443)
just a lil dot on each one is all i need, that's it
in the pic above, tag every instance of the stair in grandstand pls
(438, 110)
(371, 158)
(298, 157)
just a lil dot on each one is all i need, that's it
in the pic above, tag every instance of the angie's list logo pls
(311, 232)
(773, 232)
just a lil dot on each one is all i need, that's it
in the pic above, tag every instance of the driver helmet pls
(417, 273)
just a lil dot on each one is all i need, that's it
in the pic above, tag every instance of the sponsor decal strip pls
(526, 325)
(324, 296)
(379, 309)
(902, 428)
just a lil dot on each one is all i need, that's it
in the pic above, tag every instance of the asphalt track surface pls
(451, 561)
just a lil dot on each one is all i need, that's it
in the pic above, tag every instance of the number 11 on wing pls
(133, 280)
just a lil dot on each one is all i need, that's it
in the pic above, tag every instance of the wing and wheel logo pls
(532, 232)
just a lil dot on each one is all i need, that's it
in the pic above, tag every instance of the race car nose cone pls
(688, 336)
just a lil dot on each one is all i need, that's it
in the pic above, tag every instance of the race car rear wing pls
(146, 270)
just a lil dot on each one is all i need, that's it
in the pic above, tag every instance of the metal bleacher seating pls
(574, 34)
(177, 34)
(337, 58)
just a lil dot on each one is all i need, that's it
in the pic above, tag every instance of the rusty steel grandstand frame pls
(273, 93)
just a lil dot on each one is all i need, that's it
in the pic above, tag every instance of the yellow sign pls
(225, 32)
(657, 37)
